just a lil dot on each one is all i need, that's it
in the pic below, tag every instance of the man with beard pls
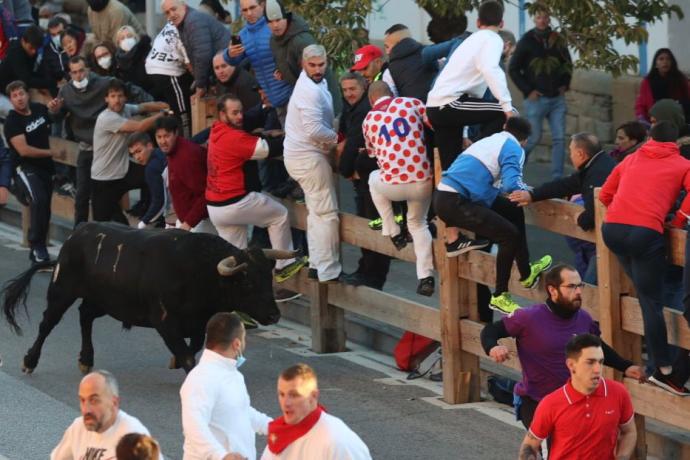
(309, 137)
(95, 434)
(231, 203)
(542, 332)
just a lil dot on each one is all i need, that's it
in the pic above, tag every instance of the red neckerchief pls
(281, 435)
(383, 104)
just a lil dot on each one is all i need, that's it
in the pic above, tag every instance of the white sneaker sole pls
(287, 299)
(666, 387)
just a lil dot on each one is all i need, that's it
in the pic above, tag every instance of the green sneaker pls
(503, 303)
(291, 270)
(536, 269)
(377, 224)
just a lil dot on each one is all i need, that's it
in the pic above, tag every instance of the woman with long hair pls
(664, 81)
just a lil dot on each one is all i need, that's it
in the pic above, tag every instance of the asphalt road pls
(396, 419)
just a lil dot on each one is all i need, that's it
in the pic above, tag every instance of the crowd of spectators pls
(285, 122)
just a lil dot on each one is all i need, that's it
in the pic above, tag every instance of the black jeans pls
(83, 195)
(39, 185)
(503, 224)
(176, 91)
(106, 194)
(449, 120)
(642, 254)
(372, 265)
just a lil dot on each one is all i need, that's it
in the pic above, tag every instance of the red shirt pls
(394, 135)
(583, 426)
(643, 188)
(187, 181)
(228, 150)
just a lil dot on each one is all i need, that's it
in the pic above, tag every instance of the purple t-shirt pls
(541, 337)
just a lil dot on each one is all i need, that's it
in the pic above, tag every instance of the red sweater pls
(187, 181)
(645, 100)
(642, 189)
(228, 150)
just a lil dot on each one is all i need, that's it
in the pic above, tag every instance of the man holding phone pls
(253, 42)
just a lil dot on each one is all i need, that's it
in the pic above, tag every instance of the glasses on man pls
(574, 286)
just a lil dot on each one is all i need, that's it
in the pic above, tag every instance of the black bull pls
(170, 280)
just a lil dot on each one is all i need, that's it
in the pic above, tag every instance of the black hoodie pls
(412, 78)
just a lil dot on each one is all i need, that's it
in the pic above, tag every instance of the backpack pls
(412, 349)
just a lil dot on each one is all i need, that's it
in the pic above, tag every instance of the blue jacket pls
(154, 179)
(476, 173)
(256, 39)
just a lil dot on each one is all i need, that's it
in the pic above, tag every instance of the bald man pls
(102, 423)
(202, 36)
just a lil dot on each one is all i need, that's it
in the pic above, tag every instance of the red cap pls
(365, 55)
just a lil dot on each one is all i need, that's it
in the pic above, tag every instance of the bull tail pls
(15, 291)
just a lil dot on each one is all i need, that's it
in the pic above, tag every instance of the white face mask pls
(43, 23)
(80, 84)
(105, 61)
(56, 40)
(128, 43)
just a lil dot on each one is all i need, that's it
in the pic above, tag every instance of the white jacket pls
(78, 443)
(167, 55)
(217, 417)
(329, 439)
(472, 66)
(309, 122)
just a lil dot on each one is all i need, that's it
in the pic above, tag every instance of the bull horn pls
(276, 254)
(228, 266)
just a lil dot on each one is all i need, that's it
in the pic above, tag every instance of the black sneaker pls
(426, 286)
(312, 274)
(285, 295)
(668, 383)
(399, 240)
(39, 254)
(464, 244)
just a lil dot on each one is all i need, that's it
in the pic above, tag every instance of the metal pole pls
(151, 18)
(521, 18)
(642, 54)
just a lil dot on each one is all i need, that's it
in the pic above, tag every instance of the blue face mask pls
(241, 360)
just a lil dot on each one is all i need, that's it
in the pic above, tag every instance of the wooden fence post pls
(612, 284)
(460, 369)
(327, 321)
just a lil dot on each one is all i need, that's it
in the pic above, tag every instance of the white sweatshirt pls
(309, 122)
(167, 55)
(78, 443)
(217, 417)
(471, 67)
(329, 439)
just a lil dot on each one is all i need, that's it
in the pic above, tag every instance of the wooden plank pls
(675, 243)
(69, 151)
(480, 267)
(558, 216)
(377, 305)
(676, 325)
(471, 343)
(327, 321)
(661, 405)
(62, 206)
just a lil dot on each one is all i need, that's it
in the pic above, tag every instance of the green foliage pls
(591, 28)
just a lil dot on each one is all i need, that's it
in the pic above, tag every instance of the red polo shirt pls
(583, 426)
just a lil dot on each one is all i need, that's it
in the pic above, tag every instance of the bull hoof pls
(27, 370)
(84, 368)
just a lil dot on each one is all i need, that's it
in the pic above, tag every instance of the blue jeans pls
(554, 108)
(642, 254)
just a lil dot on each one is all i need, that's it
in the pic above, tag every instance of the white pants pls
(232, 222)
(315, 177)
(204, 226)
(418, 197)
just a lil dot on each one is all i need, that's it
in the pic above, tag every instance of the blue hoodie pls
(256, 39)
(488, 167)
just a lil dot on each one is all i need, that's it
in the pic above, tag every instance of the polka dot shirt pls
(394, 135)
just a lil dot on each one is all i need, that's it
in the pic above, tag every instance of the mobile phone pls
(235, 40)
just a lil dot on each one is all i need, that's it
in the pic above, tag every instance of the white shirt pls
(77, 443)
(309, 122)
(217, 417)
(168, 55)
(329, 439)
(472, 66)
